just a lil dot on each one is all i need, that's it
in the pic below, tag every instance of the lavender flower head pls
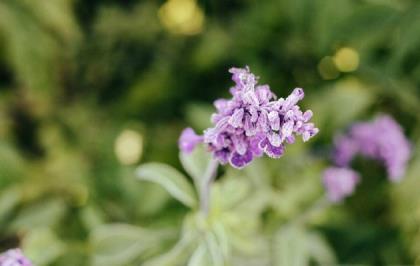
(251, 123)
(14, 257)
(339, 182)
(382, 139)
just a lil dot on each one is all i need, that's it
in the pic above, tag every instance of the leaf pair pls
(293, 245)
(174, 182)
(121, 244)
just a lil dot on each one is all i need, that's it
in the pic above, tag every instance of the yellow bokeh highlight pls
(182, 17)
(129, 147)
(346, 59)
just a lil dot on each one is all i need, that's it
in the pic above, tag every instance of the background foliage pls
(89, 89)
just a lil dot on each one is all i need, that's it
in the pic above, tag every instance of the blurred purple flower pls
(339, 182)
(14, 257)
(382, 139)
(252, 122)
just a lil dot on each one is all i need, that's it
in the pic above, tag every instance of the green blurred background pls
(91, 89)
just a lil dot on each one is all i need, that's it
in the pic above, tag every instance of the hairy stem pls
(206, 183)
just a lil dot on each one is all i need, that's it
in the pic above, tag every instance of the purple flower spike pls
(188, 140)
(14, 257)
(252, 122)
(382, 139)
(340, 183)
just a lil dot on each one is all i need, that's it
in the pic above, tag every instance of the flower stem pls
(206, 183)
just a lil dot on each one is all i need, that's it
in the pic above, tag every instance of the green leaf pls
(196, 163)
(200, 257)
(40, 214)
(215, 250)
(119, 244)
(8, 200)
(294, 245)
(408, 38)
(221, 235)
(179, 253)
(319, 249)
(12, 164)
(169, 178)
(42, 246)
(233, 191)
(289, 247)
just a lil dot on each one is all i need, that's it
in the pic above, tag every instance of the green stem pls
(206, 184)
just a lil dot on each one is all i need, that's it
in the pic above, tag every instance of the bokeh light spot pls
(327, 68)
(346, 59)
(182, 17)
(129, 147)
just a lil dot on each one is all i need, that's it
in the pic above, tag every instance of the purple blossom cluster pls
(340, 182)
(382, 139)
(14, 257)
(252, 123)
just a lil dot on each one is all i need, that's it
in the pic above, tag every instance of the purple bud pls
(241, 160)
(274, 119)
(287, 129)
(189, 140)
(272, 151)
(264, 94)
(220, 104)
(293, 98)
(307, 116)
(275, 139)
(236, 119)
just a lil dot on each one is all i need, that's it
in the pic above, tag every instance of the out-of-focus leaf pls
(259, 173)
(326, 16)
(209, 252)
(179, 254)
(120, 244)
(221, 235)
(156, 196)
(215, 251)
(22, 22)
(92, 217)
(170, 179)
(42, 246)
(290, 247)
(406, 202)
(366, 26)
(55, 15)
(319, 250)
(294, 245)
(8, 200)
(233, 191)
(11, 164)
(195, 163)
(408, 40)
(41, 214)
(200, 257)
